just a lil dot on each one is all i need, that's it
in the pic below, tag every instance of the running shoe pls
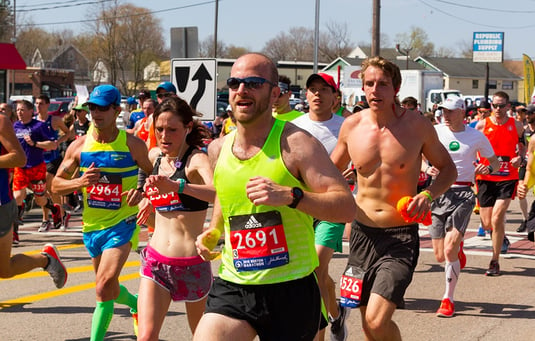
(66, 219)
(55, 266)
(531, 236)
(505, 245)
(56, 216)
(522, 226)
(462, 256)
(446, 309)
(16, 240)
(338, 328)
(494, 269)
(481, 231)
(134, 316)
(44, 226)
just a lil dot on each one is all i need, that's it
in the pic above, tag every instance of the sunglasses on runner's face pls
(249, 82)
(164, 95)
(499, 106)
(93, 107)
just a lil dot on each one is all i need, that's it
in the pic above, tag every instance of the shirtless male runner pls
(385, 144)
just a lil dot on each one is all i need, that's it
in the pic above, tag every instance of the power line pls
(497, 10)
(63, 5)
(119, 17)
(49, 3)
(474, 22)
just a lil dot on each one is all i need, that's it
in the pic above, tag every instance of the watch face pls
(297, 193)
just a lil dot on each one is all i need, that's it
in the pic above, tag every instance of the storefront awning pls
(10, 58)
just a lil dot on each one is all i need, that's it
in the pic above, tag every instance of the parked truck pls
(426, 86)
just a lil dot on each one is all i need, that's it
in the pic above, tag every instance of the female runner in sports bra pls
(178, 191)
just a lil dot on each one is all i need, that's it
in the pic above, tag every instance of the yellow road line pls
(59, 292)
(78, 269)
(62, 247)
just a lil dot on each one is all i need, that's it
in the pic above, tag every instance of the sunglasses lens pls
(249, 82)
(94, 107)
(233, 83)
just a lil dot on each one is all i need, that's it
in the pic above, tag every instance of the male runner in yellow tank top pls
(280, 176)
(108, 159)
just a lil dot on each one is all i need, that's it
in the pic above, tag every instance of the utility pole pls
(316, 37)
(14, 41)
(404, 52)
(376, 28)
(215, 27)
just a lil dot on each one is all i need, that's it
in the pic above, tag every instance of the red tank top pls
(504, 139)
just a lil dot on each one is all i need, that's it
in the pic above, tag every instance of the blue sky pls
(250, 23)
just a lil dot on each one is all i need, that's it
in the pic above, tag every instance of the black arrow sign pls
(181, 77)
(202, 75)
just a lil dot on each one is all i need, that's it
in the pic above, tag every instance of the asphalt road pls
(487, 308)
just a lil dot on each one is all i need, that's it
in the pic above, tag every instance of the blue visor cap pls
(167, 86)
(104, 95)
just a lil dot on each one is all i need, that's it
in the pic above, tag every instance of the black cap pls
(144, 93)
(530, 109)
(483, 105)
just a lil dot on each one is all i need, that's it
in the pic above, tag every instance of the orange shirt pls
(504, 139)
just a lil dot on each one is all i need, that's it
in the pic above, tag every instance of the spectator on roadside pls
(281, 108)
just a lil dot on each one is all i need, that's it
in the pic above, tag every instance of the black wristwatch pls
(297, 195)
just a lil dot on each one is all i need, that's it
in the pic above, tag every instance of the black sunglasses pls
(101, 108)
(249, 82)
(164, 94)
(499, 106)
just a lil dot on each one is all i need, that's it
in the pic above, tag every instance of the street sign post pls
(196, 80)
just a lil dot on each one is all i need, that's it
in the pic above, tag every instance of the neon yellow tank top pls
(230, 178)
(289, 116)
(104, 206)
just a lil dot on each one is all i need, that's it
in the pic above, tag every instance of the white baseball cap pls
(453, 103)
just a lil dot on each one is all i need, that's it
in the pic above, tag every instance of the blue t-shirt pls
(134, 117)
(39, 132)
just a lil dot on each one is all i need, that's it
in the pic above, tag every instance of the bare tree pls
(30, 38)
(235, 51)
(6, 21)
(465, 48)
(417, 42)
(335, 42)
(206, 48)
(127, 39)
(445, 52)
(297, 44)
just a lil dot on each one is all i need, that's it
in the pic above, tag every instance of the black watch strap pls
(297, 195)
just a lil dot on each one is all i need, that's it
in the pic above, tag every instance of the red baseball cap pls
(329, 80)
